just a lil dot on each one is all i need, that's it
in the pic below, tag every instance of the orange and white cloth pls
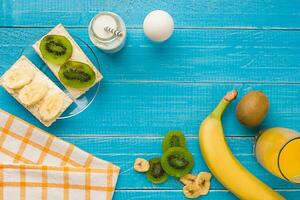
(37, 165)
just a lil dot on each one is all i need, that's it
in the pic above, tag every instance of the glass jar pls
(104, 40)
(278, 151)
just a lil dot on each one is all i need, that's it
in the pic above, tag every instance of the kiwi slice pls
(156, 173)
(56, 49)
(177, 161)
(173, 139)
(76, 74)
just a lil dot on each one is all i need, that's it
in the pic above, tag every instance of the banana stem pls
(228, 98)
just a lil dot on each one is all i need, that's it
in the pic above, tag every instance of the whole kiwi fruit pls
(252, 108)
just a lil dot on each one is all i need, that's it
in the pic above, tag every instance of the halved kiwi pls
(156, 173)
(76, 74)
(173, 139)
(177, 161)
(56, 49)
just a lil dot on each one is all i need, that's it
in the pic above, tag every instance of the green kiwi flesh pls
(173, 139)
(56, 49)
(177, 161)
(76, 74)
(156, 173)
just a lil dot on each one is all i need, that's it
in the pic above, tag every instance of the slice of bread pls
(78, 55)
(23, 61)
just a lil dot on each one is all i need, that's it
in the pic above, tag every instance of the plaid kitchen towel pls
(37, 165)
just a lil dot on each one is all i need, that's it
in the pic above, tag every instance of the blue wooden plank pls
(189, 56)
(154, 108)
(189, 13)
(150, 88)
(124, 150)
(168, 194)
(177, 195)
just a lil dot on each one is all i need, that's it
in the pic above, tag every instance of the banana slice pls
(203, 181)
(33, 93)
(17, 78)
(196, 186)
(141, 165)
(192, 191)
(188, 179)
(51, 107)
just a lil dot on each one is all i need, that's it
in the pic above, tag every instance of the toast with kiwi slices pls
(35, 91)
(67, 61)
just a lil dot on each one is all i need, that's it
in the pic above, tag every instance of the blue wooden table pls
(150, 88)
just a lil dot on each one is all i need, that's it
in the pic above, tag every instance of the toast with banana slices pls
(35, 91)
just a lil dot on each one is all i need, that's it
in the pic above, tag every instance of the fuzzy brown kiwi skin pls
(252, 108)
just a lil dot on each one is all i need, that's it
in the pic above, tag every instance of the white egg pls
(158, 25)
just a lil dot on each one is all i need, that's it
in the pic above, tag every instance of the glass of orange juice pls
(278, 150)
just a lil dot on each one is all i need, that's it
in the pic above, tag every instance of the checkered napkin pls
(36, 165)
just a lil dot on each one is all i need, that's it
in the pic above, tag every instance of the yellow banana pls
(222, 163)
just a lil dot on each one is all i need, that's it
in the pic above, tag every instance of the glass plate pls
(86, 99)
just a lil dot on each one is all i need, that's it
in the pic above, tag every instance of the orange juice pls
(278, 150)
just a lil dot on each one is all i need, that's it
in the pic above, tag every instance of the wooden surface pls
(150, 88)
